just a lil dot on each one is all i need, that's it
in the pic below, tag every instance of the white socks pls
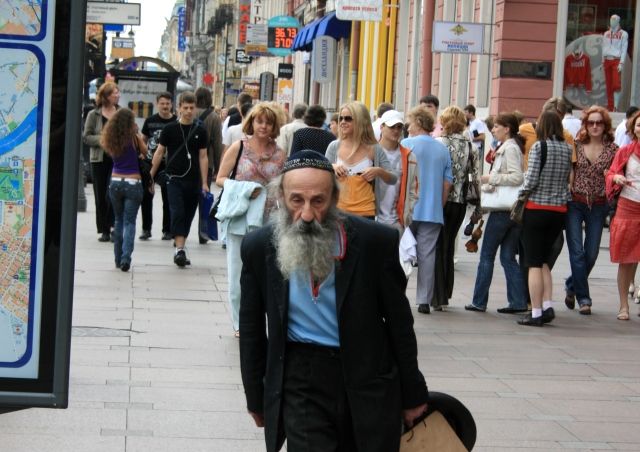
(535, 313)
(546, 305)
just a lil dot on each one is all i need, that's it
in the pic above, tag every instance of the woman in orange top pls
(358, 160)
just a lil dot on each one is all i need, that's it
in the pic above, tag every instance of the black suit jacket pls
(377, 342)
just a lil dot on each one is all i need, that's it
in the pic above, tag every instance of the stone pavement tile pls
(159, 357)
(635, 387)
(603, 408)
(631, 369)
(206, 283)
(197, 385)
(523, 431)
(91, 358)
(210, 328)
(152, 293)
(229, 375)
(87, 303)
(585, 388)
(76, 421)
(520, 354)
(604, 431)
(182, 341)
(61, 441)
(106, 372)
(465, 384)
(99, 393)
(191, 399)
(625, 446)
(179, 305)
(85, 315)
(493, 404)
(193, 424)
(548, 369)
(602, 355)
(454, 367)
(218, 316)
(183, 279)
(171, 271)
(194, 445)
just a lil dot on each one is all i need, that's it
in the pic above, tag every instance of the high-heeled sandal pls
(623, 314)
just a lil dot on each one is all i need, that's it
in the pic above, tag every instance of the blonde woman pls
(358, 159)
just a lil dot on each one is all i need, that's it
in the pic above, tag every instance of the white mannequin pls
(614, 48)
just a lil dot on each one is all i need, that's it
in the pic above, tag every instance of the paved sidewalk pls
(154, 364)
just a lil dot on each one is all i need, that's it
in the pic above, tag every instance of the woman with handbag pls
(107, 100)
(500, 230)
(595, 149)
(462, 152)
(121, 140)
(623, 183)
(547, 186)
(254, 158)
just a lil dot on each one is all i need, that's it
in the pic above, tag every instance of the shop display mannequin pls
(614, 53)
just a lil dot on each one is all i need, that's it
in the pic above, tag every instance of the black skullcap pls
(307, 159)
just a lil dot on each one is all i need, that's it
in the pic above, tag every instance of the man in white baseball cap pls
(395, 202)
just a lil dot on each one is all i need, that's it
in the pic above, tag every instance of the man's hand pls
(620, 66)
(258, 418)
(409, 415)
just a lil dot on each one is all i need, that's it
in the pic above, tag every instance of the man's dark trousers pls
(184, 196)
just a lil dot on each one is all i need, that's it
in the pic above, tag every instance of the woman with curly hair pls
(453, 123)
(358, 160)
(623, 183)
(121, 140)
(107, 100)
(596, 150)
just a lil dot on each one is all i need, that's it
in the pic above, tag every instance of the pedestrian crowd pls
(320, 220)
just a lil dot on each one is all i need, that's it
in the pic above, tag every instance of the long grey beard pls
(305, 248)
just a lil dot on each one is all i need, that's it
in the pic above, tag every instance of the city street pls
(155, 366)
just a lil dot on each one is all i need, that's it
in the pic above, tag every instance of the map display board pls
(26, 46)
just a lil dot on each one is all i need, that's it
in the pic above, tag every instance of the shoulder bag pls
(499, 197)
(214, 210)
(144, 166)
(470, 190)
(517, 210)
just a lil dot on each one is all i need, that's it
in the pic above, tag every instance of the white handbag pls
(498, 197)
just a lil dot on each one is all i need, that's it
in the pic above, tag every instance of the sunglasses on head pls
(598, 123)
(345, 118)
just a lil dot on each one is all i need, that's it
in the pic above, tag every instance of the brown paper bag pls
(433, 434)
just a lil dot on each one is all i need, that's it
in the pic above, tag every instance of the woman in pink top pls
(259, 160)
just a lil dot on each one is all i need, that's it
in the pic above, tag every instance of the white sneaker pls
(632, 289)
(636, 296)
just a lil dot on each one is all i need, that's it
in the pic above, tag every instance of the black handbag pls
(214, 209)
(470, 187)
(144, 167)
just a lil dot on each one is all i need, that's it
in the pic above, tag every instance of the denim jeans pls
(583, 255)
(125, 199)
(502, 232)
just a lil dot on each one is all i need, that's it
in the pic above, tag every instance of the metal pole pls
(226, 60)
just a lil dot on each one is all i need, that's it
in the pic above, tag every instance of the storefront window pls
(599, 53)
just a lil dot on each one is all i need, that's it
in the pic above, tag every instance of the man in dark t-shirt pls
(151, 135)
(185, 143)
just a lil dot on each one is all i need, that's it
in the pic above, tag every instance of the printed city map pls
(19, 85)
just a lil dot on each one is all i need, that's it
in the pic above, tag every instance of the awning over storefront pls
(328, 25)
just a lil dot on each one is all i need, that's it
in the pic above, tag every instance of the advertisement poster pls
(26, 47)
(140, 96)
(365, 10)
(285, 91)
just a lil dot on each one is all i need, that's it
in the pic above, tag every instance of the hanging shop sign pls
(322, 59)
(266, 86)
(285, 70)
(458, 37)
(181, 39)
(285, 91)
(257, 12)
(244, 19)
(282, 31)
(256, 40)
(122, 47)
(365, 10)
(252, 88)
(242, 57)
(113, 13)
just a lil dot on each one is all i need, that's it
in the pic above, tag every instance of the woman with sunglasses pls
(623, 183)
(358, 159)
(595, 149)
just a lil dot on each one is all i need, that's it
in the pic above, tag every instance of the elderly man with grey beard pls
(333, 367)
